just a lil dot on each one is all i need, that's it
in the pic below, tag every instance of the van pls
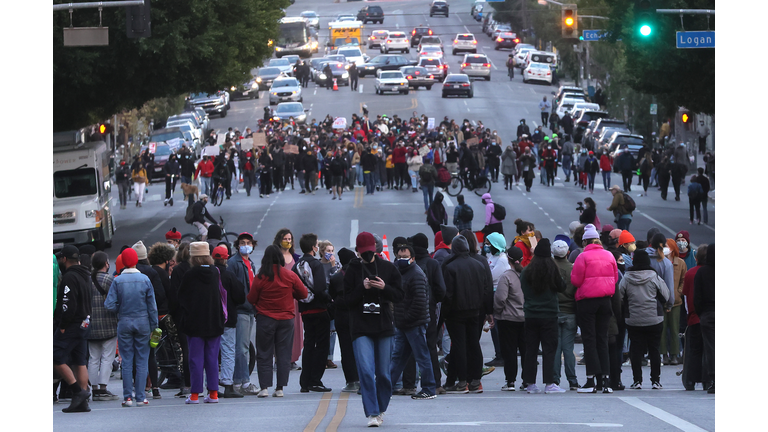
(541, 57)
(81, 192)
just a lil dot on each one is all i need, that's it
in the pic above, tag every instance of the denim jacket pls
(132, 296)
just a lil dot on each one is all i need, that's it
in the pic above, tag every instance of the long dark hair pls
(98, 261)
(272, 255)
(471, 240)
(540, 273)
(279, 238)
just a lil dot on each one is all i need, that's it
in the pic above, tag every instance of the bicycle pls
(456, 185)
(225, 236)
(218, 196)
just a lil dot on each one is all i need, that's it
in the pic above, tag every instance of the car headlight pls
(345, 75)
(258, 79)
(255, 85)
(275, 118)
(278, 49)
(273, 93)
(233, 88)
(369, 67)
(294, 92)
(301, 116)
(322, 76)
(92, 214)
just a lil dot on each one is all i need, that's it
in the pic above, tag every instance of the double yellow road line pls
(322, 411)
(359, 194)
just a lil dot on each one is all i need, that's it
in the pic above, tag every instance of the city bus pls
(294, 38)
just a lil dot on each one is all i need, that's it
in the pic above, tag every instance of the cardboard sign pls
(472, 141)
(220, 139)
(211, 151)
(430, 123)
(259, 140)
(152, 147)
(340, 123)
(246, 143)
(291, 149)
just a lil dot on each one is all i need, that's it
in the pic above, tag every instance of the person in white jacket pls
(494, 249)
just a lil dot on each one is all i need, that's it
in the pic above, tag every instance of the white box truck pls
(81, 192)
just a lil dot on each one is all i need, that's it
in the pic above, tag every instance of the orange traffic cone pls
(335, 86)
(385, 251)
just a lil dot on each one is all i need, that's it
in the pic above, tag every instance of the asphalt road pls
(500, 104)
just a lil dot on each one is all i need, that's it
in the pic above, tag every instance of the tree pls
(196, 45)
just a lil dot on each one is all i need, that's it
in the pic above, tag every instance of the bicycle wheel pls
(230, 238)
(219, 198)
(190, 237)
(455, 186)
(483, 186)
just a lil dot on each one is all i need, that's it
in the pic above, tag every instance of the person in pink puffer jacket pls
(594, 275)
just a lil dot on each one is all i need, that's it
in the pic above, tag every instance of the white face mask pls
(667, 251)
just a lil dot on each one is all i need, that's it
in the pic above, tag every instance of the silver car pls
(283, 64)
(464, 42)
(476, 65)
(285, 89)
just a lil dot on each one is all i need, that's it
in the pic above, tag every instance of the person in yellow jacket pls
(139, 176)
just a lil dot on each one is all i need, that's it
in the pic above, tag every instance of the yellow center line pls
(359, 197)
(341, 411)
(322, 410)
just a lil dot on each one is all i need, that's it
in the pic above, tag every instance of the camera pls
(371, 308)
(580, 208)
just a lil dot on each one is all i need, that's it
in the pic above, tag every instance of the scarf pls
(525, 240)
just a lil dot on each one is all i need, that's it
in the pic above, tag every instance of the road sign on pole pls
(594, 35)
(654, 107)
(695, 39)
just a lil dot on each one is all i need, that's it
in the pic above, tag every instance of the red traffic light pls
(685, 118)
(102, 128)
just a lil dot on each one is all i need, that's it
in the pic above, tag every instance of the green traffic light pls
(581, 37)
(645, 30)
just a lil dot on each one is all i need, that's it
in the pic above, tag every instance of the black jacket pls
(220, 169)
(588, 216)
(466, 281)
(172, 167)
(157, 285)
(368, 162)
(278, 157)
(413, 309)
(355, 295)
(704, 284)
(200, 313)
(319, 288)
(336, 290)
(165, 279)
(625, 161)
(123, 174)
(200, 213)
(235, 294)
(434, 273)
(73, 297)
(187, 164)
(173, 292)
(353, 72)
(309, 163)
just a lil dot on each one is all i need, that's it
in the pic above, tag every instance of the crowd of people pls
(425, 310)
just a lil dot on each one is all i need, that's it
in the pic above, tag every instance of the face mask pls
(631, 247)
(367, 256)
(246, 250)
(402, 263)
(682, 245)
(487, 249)
(621, 267)
(328, 256)
(285, 244)
(494, 142)
(667, 251)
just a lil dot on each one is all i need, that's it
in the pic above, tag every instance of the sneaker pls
(487, 370)
(607, 386)
(209, 399)
(381, 417)
(351, 387)
(460, 388)
(422, 395)
(373, 421)
(475, 387)
(588, 387)
(330, 365)
(618, 386)
(145, 402)
(637, 385)
(656, 385)
(508, 387)
(294, 366)
(574, 386)
(554, 388)
(250, 390)
(182, 392)
(156, 394)
(533, 389)
(277, 393)
(497, 362)
(263, 393)
(128, 403)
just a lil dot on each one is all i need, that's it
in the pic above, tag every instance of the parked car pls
(376, 38)
(476, 65)
(285, 65)
(214, 103)
(339, 71)
(247, 90)
(396, 41)
(499, 29)
(384, 62)
(581, 122)
(162, 154)
(418, 76)
(372, 13)
(285, 89)
(566, 104)
(438, 7)
(391, 81)
(457, 84)
(316, 66)
(537, 72)
(633, 142)
(464, 42)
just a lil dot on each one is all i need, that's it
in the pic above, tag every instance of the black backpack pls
(499, 212)
(629, 203)
(190, 214)
(466, 214)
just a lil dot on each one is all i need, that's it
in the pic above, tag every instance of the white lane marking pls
(315, 91)
(465, 102)
(484, 423)
(447, 200)
(398, 223)
(353, 233)
(266, 213)
(531, 89)
(159, 225)
(535, 125)
(397, 25)
(465, 28)
(486, 47)
(658, 223)
(457, 16)
(493, 64)
(526, 110)
(662, 415)
(360, 89)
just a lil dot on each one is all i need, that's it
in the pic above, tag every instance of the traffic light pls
(105, 128)
(686, 118)
(570, 22)
(644, 18)
(137, 22)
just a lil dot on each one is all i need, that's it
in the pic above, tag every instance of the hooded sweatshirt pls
(465, 281)
(499, 264)
(666, 271)
(73, 299)
(508, 298)
(643, 293)
(489, 209)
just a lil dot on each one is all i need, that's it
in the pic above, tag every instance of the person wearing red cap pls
(371, 286)
(132, 297)
(173, 238)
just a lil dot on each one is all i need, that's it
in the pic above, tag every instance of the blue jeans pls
(567, 164)
(566, 333)
(591, 181)
(623, 222)
(227, 355)
(606, 179)
(370, 184)
(359, 174)
(414, 179)
(133, 343)
(332, 345)
(186, 179)
(373, 358)
(206, 185)
(413, 341)
(245, 325)
(429, 193)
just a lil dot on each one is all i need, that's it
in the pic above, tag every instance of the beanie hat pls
(87, 249)
(682, 234)
(615, 234)
(345, 256)
(572, 227)
(379, 243)
(607, 228)
(514, 254)
(130, 258)
(365, 242)
(641, 260)
(419, 240)
(119, 264)
(449, 232)
(626, 237)
(199, 249)
(564, 238)
(141, 251)
(399, 242)
(214, 232)
(559, 248)
(173, 234)
(590, 232)
(543, 249)
(498, 241)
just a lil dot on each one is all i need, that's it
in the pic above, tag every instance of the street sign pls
(86, 36)
(654, 107)
(593, 35)
(695, 39)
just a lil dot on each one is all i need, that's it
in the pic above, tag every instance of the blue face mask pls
(487, 249)
(328, 256)
(402, 263)
(246, 250)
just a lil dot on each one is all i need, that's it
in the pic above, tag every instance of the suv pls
(397, 41)
(476, 65)
(377, 38)
(373, 14)
(435, 66)
(212, 103)
(418, 32)
(431, 40)
(634, 144)
(464, 42)
(438, 7)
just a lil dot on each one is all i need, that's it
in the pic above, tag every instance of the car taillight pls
(486, 65)
(409, 77)
(474, 42)
(413, 32)
(424, 53)
(517, 40)
(464, 64)
(549, 73)
(455, 41)
(389, 41)
(430, 32)
(465, 85)
(443, 66)
(366, 14)
(499, 39)
(431, 76)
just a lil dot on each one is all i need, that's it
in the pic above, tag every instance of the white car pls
(393, 81)
(283, 64)
(353, 55)
(520, 56)
(464, 42)
(345, 17)
(566, 105)
(432, 51)
(584, 105)
(286, 89)
(313, 19)
(537, 72)
(396, 41)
